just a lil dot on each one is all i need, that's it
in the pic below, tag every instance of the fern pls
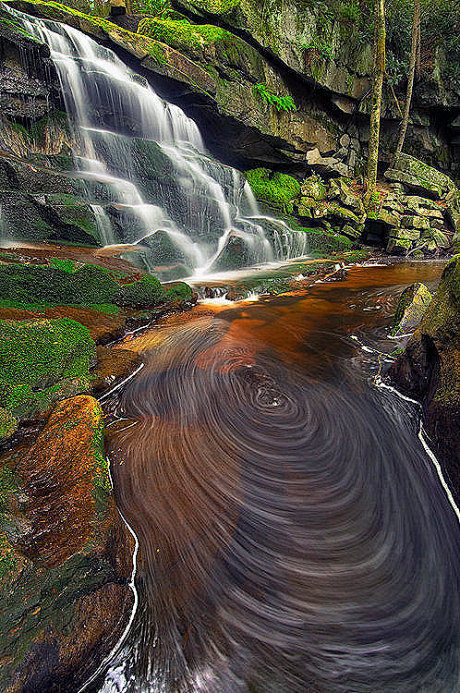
(281, 103)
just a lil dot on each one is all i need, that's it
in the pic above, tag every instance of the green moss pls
(322, 242)
(181, 34)
(142, 294)
(108, 308)
(179, 292)
(64, 265)
(38, 284)
(42, 361)
(8, 424)
(277, 189)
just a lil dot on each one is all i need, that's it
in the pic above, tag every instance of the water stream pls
(294, 534)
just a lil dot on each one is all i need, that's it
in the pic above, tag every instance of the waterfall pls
(147, 176)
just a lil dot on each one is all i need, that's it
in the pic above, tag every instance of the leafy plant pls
(319, 48)
(281, 103)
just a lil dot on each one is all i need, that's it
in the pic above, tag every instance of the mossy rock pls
(8, 424)
(398, 246)
(179, 292)
(181, 34)
(42, 361)
(313, 187)
(419, 177)
(147, 292)
(412, 305)
(276, 189)
(65, 556)
(39, 284)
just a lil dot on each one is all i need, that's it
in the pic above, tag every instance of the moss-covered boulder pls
(412, 305)
(42, 361)
(65, 555)
(87, 284)
(276, 189)
(429, 369)
(147, 292)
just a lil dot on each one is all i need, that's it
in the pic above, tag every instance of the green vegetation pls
(42, 361)
(179, 292)
(37, 287)
(39, 284)
(277, 189)
(281, 103)
(142, 294)
(64, 265)
(322, 242)
(8, 424)
(181, 34)
(107, 308)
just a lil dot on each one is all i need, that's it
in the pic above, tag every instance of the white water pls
(145, 169)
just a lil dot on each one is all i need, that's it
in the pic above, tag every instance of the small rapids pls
(293, 532)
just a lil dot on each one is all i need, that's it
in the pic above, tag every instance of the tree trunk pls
(410, 77)
(376, 106)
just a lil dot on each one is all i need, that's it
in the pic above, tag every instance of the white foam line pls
(132, 585)
(427, 449)
(101, 399)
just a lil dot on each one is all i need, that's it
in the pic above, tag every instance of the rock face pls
(213, 59)
(65, 555)
(429, 370)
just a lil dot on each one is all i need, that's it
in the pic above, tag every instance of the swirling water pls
(293, 533)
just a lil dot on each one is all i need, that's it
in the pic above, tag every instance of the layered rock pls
(399, 221)
(209, 62)
(429, 370)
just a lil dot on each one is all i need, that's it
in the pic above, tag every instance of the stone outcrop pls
(65, 555)
(429, 370)
(209, 62)
(400, 222)
(419, 178)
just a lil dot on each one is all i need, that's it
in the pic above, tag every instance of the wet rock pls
(412, 305)
(429, 370)
(65, 555)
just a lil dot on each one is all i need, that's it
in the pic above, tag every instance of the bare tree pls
(411, 76)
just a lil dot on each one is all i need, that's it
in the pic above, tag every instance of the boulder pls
(398, 246)
(429, 370)
(328, 166)
(412, 305)
(65, 555)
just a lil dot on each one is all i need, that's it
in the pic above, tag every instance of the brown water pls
(293, 533)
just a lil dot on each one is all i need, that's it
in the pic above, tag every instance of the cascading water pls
(147, 175)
